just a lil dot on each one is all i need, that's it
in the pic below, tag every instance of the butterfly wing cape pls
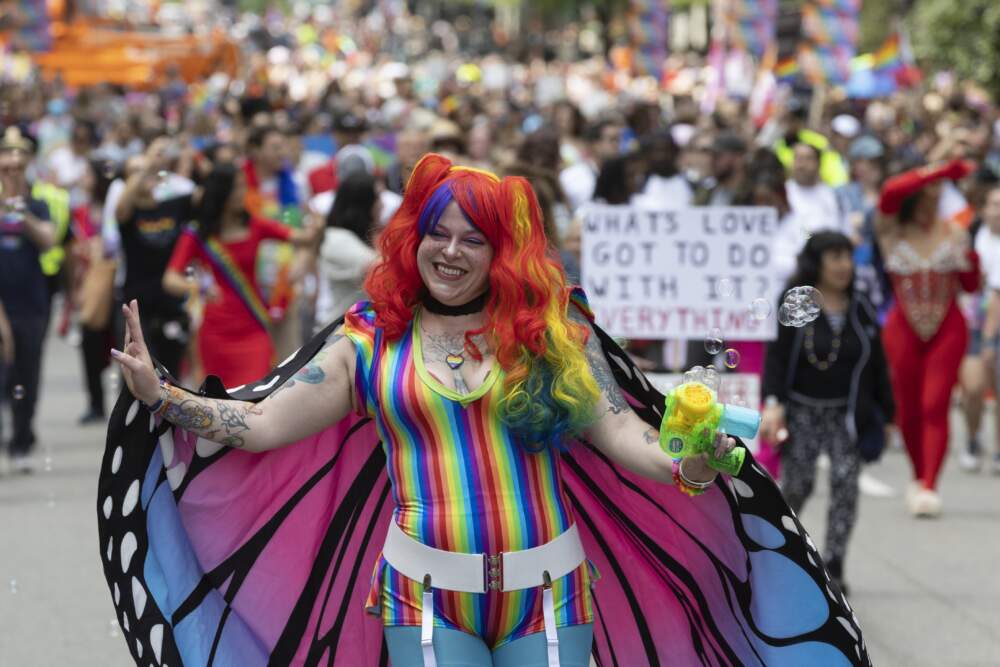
(218, 556)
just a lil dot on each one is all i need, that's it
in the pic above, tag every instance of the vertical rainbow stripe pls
(460, 482)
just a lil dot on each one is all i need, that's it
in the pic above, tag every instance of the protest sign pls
(662, 274)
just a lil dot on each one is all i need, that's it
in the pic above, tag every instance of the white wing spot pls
(128, 548)
(268, 385)
(133, 410)
(206, 448)
(116, 460)
(176, 475)
(131, 498)
(156, 640)
(138, 597)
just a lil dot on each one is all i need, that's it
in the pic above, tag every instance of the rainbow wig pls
(549, 391)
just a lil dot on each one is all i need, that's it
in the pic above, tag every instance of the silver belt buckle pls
(494, 571)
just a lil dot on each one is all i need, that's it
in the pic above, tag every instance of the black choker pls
(438, 308)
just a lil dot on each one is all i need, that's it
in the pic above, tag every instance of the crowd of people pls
(241, 212)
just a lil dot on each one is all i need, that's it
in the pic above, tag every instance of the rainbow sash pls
(241, 284)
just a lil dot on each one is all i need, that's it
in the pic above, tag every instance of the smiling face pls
(454, 259)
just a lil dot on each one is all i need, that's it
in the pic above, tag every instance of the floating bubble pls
(732, 358)
(13, 586)
(47, 464)
(800, 306)
(18, 392)
(760, 309)
(113, 628)
(189, 273)
(696, 374)
(710, 378)
(114, 383)
(50, 500)
(724, 287)
(713, 342)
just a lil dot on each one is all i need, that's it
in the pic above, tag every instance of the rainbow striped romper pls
(460, 483)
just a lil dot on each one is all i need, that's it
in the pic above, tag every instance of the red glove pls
(900, 187)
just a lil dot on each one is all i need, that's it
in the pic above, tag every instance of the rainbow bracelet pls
(686, 486)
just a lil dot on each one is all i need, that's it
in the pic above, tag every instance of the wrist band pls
(160, 404)
(689, 482)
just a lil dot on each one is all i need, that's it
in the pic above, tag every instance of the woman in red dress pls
(234, 341)
(928, 260)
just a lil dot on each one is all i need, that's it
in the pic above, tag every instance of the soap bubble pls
(18, 392)
(696, 374)
(800, 306)
(189, 273)
(13, 586)
(713, 342)
(113, 628)
(710, 378)
(47, 464)
(760, 309)
(724, 287)
(732, 358)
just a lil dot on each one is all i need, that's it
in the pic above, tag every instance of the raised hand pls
(136, 364)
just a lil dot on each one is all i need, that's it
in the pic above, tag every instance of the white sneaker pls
(925, 504)
(874, 487)
(969, 462)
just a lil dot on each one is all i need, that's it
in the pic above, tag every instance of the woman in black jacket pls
(827, 389)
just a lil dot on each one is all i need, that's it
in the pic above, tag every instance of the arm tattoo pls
(600, 369)
(311, 373)
(651, 436)
(219, 421)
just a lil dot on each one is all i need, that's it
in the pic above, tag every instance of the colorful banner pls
(649, 25)
(830, 29)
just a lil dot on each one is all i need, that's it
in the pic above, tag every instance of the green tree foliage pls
(960, 35)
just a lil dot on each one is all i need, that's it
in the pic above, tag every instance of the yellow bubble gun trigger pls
(691, 419)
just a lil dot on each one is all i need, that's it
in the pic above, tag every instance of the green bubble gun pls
(691, 419)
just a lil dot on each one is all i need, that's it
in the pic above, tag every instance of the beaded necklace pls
(810, 346)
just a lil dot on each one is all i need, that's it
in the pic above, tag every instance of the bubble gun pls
(691, 419)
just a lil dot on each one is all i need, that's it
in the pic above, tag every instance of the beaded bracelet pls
(684, 485)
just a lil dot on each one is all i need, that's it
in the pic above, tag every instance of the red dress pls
(231, 342)
(925, 337)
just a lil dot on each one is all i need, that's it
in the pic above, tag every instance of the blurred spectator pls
(151, 214)
(827, 387)
(25, 232)
(348, 246)
(812, 201)
(603, 142)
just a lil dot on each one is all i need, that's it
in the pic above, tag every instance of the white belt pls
(479, 573)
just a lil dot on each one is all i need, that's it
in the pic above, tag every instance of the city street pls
(926, 592)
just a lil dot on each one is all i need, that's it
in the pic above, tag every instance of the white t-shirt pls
(578, 182)
(815, 206)
(987, 246)
(665, 192)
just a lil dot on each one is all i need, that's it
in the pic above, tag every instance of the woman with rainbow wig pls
(471, 433)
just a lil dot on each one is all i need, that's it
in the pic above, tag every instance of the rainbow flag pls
(787, 68)
(887, 56)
